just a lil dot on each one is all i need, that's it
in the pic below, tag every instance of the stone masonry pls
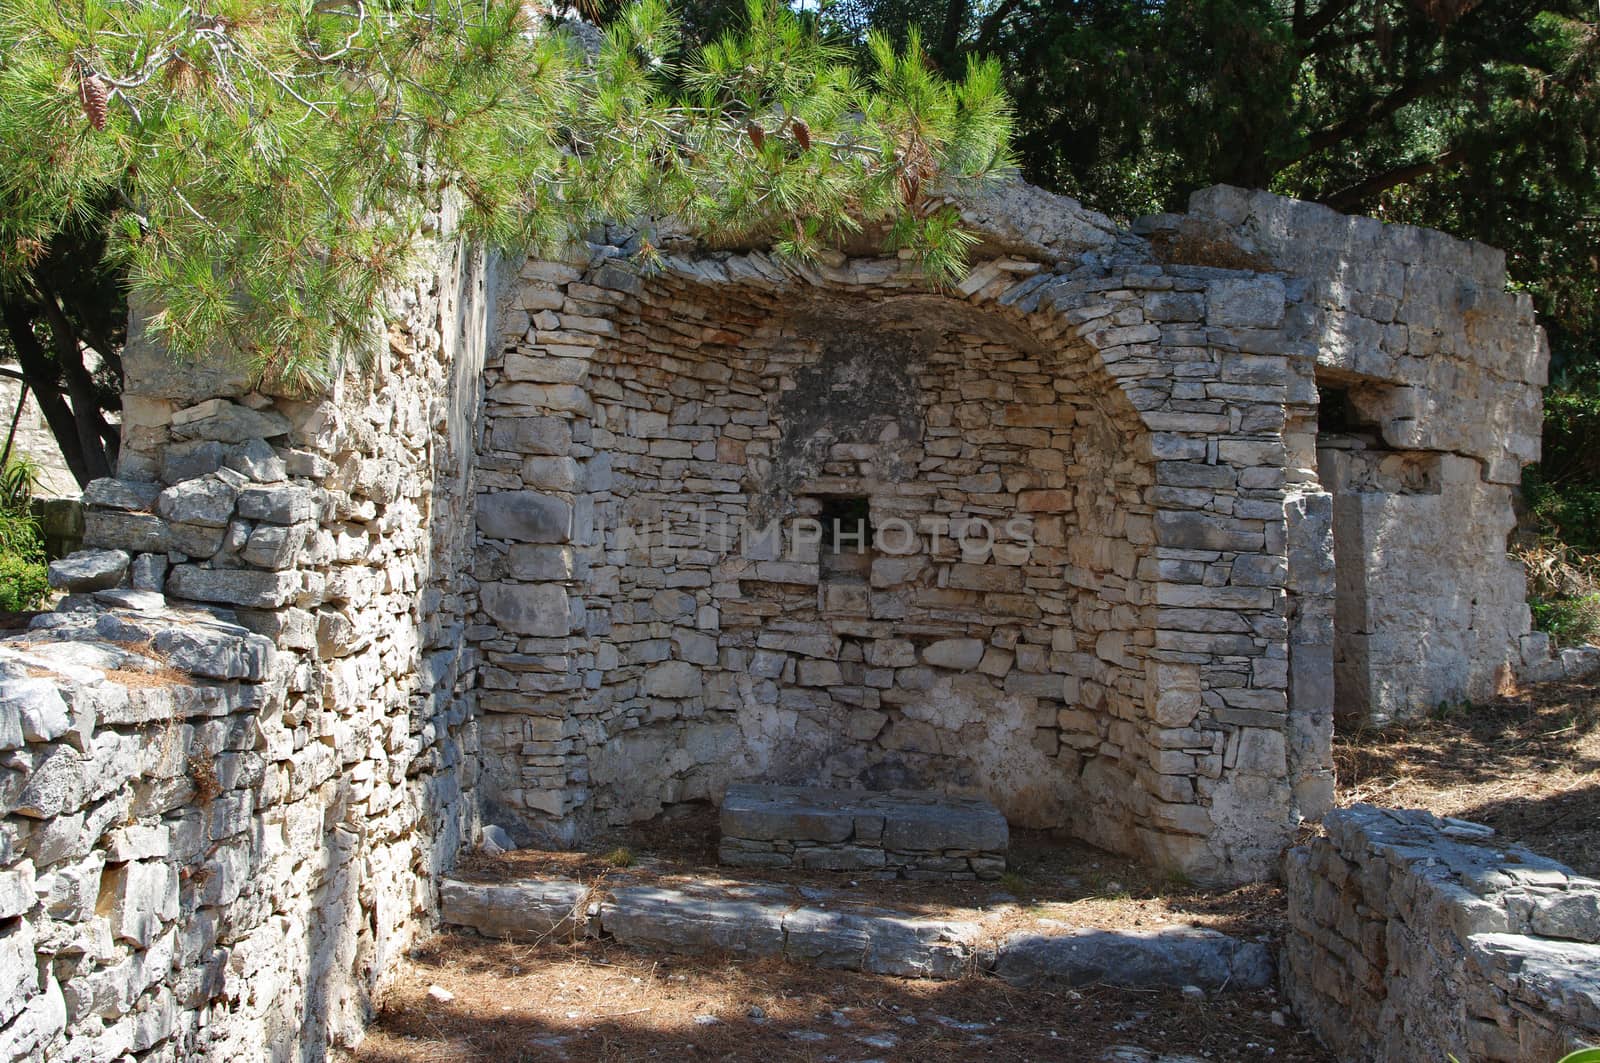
(1065, 537)
(235, 762)
(889, 835)
(1413, 937)
(1102, 535)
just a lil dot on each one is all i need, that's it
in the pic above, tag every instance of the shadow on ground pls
(598, 1001)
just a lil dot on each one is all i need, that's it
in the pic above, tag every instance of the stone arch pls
(1079, 688)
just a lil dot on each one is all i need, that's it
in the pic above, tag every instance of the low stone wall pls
(1417, 938)
(185, 871)
(918, 836)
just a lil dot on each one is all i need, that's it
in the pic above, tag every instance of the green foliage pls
(1563, 590)
(1481, 119)
(264, 170)
(1569, 621)
(23, 582)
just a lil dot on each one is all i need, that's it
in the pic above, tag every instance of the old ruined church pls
(1111, 535)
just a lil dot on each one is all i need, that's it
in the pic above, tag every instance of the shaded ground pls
(1528, 766)
(596, 1001)
(1049, 879)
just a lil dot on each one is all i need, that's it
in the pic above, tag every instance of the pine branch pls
(1361, 193)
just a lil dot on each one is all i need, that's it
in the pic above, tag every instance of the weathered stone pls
(258, 461)
(858, 830)
(536, 910)
(121, 494)
(529, 609)
(89, 570)
(677, 921)
(219, 419)
(963, 654)
(279, 504)
(673, 679)
(246, 587)
(42, 714)
(524, 516)
(1170, 956)
(131, 532)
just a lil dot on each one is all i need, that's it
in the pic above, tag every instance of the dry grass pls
(601, 1002)
(1527, 765)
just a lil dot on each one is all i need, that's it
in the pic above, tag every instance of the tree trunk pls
(77, 426)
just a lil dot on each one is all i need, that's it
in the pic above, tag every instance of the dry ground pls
(1049, 879)
(1527, 765)
(602, 1002)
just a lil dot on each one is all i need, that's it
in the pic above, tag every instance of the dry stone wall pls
(1433, 375)
(1097, 536)
(1117, 661)
(1413, 937)
(239, 772)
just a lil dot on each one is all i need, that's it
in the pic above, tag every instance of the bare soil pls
(1528, 765)
(597, 1001)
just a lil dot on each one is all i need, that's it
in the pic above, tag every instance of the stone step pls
(897, 834)
(821, 928)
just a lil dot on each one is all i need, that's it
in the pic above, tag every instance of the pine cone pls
(93, 95)
(758, 136)
(802, 134)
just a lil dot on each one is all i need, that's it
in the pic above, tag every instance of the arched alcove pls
(662, 613)
(952, 647)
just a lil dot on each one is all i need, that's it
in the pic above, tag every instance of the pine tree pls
(260, 171)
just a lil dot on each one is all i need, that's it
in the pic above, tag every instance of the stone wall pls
(1437, 373)
(1117, 662)
(34, 440)
(1148, 652)
(222, 832)
(557, 556)
(1413, 937)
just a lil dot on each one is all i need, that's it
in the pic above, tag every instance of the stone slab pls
(1136, 959)
(529, 910)
(855, 830)
(822, 928)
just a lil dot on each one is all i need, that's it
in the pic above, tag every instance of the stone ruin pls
(1107, 535)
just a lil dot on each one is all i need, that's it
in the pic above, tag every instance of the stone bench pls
(889, 835)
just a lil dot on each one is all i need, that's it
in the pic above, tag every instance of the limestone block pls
(139, 898)
(128, 495)
(228, 422)
(673, 679)
(257, 460)
(16, 890)
(1573, 914)
(88, 570)
(274, 546)
(1171, 956)
(188, 461)
(959, 654)
(536, 562)
(246, 587)
(529, 609)
(1204, 531)
(537, 910)
(206, 502)
(524, 516)
(130, 532)
(37, 703)
(57, 784)
(280, 503)
(676, 921)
